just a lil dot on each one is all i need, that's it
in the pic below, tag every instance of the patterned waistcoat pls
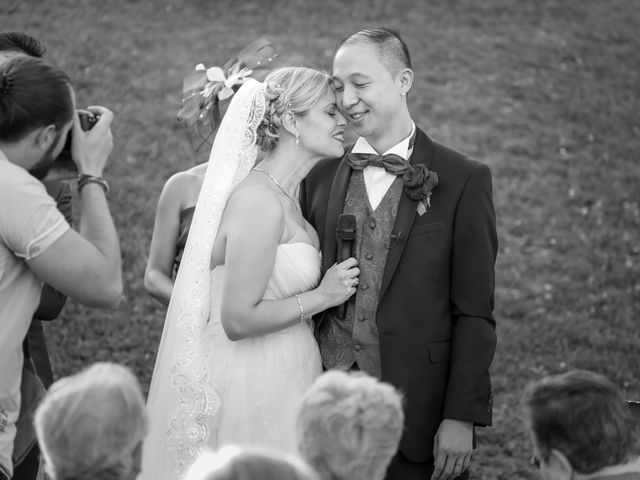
(355, 338)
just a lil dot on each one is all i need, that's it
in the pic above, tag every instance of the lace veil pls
(181, 403)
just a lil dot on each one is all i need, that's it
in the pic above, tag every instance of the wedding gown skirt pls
(257, 382)
(260, 380)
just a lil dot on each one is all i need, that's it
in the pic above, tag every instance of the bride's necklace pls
(277, 184)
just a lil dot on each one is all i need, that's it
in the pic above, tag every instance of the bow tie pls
(392, 163)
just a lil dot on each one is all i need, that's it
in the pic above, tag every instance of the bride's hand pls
(340, 282)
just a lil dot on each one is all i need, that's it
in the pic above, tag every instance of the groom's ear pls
(406, 80)
(289, 122)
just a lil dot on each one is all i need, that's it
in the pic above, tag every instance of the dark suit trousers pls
(402, 468)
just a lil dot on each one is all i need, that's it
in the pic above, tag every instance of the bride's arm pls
(253, 227)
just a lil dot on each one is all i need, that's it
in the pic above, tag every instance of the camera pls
(63, 167)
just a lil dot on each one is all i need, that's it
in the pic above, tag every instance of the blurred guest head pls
(235, 463)
(91, 425)
(349, 426)
(581, 427)
(36, 112)
(12, 43)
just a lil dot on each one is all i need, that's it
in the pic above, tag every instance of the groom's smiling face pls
(367, 92)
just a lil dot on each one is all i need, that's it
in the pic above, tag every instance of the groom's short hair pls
(392, 49)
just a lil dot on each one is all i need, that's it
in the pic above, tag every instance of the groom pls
(426, 244)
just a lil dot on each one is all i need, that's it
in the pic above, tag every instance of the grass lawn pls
(546, 92)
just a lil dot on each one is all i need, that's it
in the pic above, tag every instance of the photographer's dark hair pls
(584, 416)
(21, 42)
(33, 94)
(392, 49)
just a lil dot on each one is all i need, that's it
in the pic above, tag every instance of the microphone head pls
(346, 228)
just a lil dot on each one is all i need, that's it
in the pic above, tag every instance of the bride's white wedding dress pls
(260, 380)
(207, 391)
(250, 392)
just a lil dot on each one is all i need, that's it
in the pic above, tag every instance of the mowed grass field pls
(545, 92)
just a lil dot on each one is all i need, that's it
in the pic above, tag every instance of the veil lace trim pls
(179, 389)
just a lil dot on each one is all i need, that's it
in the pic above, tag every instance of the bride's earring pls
(297, 140)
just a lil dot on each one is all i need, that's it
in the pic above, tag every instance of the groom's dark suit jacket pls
(435, 310)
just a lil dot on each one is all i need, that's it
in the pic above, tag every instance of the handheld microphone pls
(345, 236)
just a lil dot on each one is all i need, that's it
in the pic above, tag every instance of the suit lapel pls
(422, 153)
(334, 210)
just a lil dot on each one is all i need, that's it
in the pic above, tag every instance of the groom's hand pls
(452, 449)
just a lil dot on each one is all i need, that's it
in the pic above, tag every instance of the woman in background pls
(170, 230)
(206, 97)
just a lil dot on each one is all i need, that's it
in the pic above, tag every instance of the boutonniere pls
(419, 183)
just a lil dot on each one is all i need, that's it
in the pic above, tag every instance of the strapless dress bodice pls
(260, 380)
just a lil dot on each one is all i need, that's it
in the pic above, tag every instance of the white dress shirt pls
(376, 179)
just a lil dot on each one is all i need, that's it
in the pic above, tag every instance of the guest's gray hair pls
(91, 425)
(349, 426)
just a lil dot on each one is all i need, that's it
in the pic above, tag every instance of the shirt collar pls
(401, 148)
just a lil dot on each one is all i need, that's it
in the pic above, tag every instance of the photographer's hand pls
(90, 150)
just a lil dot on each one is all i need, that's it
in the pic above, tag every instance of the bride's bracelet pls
(300, 308)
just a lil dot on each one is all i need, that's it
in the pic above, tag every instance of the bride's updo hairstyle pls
(292, 89)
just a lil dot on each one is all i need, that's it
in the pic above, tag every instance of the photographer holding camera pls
(37, 113)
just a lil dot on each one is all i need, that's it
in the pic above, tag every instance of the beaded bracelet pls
(84, 180)
(300, 308)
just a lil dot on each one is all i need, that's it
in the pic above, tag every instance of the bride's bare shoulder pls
(252, 201)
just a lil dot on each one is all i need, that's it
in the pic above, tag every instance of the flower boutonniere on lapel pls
(419, 183)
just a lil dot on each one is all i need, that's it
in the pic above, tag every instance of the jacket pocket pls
(428, 228)
(439, 351)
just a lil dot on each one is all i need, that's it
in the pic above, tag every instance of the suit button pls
(372, 224)
(361, 318)
(357, 348)
(363, 286)
(368, 256)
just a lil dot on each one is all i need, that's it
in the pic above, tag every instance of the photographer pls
(37, 112)
(37, 374)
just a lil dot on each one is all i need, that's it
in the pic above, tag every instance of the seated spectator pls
(582, 428)
(235, 463)
(349, 426)
(91, 425)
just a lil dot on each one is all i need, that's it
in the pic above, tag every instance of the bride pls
(237, 350)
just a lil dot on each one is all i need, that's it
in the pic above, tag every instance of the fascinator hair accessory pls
(209, 89)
